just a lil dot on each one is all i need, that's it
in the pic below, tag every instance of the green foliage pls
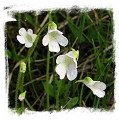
(8, 54)
(30, 20)
(51, 89)
(72, 102)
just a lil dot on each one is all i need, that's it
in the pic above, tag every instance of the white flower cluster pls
(67, 63)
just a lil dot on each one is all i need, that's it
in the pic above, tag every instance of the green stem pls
(47, 70)
(97, 103)
(50, 17)
(29, 69)
(47, 77)
(57, 96)
(94, 101)
(81, 94)
(29, 105)
(22, 83)
(53, 66)
(87, 97)
(19, 20)
(57, 100)
(17, 88)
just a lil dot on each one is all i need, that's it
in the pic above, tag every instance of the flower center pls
(28, 38)
(67, 61)
(53, 36)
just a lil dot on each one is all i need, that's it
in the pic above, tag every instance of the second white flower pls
(67, 65)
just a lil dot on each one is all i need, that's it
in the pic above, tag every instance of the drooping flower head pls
(26, 37)
(97, 87)
(54, 38)
(22, 96)
(67, 65)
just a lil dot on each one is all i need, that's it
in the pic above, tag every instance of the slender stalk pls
(47, 77)
(57, 100)
(57, 95)
(19, 20)
(50, 16)
(17, 88)
(29, 69)
(29, 105)
(22, 83)
(87, 97)
(81, 94)
(54, 80)
(53, 66)
(97, 103)
(94, 101)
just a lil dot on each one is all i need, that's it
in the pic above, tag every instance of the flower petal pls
(28, 45)
(21, 98)
(22, 31)
(71, 71)
(60, 59)
(98, 93)
(54, 46)
(56, 31)
(61, 70)
(59, 31)
(21, 39)
(89, 84)
(71, 54)
(75, 62)
(30, 31)
(45, 40)
(99, 85)
(63, 41)
(34, 37)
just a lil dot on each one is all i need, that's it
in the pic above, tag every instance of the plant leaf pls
(72, 102)
(51, 89)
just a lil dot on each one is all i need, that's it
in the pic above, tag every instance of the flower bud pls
(22, 96)
(22, 67)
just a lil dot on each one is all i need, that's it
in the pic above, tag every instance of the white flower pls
(54, 38)
(97, 87)
(67, 65)
(26, 37)
(22, 96)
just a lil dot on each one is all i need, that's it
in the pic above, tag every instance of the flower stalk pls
(19, 85)
(47, 78)
(57, 94)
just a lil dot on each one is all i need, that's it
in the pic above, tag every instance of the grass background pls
(90, 32)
